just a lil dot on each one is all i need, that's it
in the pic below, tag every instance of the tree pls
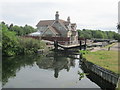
(28, 29)
(85, 33)
(9, 42)
(20, 31)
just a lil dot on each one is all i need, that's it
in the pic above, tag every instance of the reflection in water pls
(56, 62)
(82, 74)
(11, 65)
(52, 62)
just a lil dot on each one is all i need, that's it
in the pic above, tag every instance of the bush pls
(30, 45)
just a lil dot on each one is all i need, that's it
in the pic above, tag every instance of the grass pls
(105, 59)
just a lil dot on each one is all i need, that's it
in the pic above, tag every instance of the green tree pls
(21, 31)
(28, 29)
(9, 41)
(18, 30)
(85, 33)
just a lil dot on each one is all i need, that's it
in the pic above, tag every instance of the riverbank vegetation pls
(105, 59)
(13, 44)
(85, 33)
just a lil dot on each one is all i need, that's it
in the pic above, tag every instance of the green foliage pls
(20, 31)
(30, 45)
(0, 37)
(82, 75)
(84, 51)
(98, 34)
(9, 42)
(28, 29)
(14, 45)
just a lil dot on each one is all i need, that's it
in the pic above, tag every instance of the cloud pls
(96, 14)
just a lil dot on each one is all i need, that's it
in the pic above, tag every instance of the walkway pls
(115, 47)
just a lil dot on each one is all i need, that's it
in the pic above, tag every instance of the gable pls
(49, 33)
(60, 28)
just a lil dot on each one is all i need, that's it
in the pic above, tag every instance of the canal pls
(52, 70)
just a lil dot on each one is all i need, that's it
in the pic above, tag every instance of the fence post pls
(56, 45)
(85, 45)
(80, 44)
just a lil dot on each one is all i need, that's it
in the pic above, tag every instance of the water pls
(54, 70)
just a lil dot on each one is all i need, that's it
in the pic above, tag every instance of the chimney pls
(56, 16)
(68, 19)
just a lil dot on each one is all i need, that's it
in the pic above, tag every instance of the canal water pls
(52, 70)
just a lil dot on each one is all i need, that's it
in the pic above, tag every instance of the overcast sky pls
(88, 14)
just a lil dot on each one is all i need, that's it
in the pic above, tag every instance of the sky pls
(87, 14)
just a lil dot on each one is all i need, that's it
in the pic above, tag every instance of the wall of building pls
(61, 29)
(69, 33)
(42, 29)
(49, 33)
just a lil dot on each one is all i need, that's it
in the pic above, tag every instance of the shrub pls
(30, 45)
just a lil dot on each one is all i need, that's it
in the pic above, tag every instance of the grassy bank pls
(105, 59)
